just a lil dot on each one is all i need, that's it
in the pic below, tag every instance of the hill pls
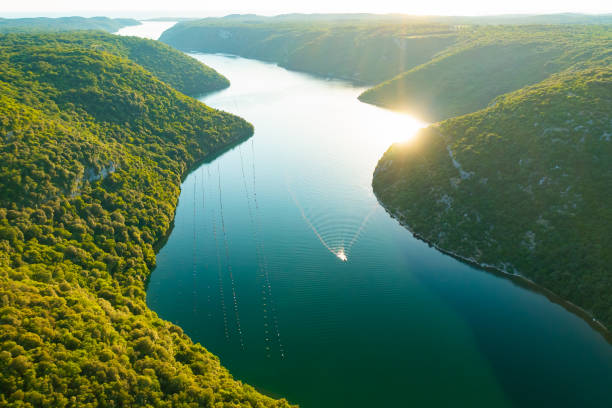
(94, 149)
(520, 186)
(527, 19)
(433, 67)
(64, 24)
(487, 62)
(180, 71)
(357, 48)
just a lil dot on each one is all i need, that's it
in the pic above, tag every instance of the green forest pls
(181, 71)
(95, 142)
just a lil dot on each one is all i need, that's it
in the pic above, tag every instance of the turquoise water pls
(255, 270)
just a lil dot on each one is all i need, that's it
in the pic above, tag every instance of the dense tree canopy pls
(93, 150)
(180, 71)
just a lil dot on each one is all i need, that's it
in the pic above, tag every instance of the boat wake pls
(337, 233)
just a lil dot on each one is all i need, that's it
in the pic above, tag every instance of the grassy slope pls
(64, 24)
(529, 190)
(487, 62)
(361, 50)
(94, 148)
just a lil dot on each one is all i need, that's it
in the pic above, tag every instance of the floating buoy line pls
(194, 249)
(338, 239)
(229, 265)
(270, 317)
(225, 273)
(206, 266)
(219, 270)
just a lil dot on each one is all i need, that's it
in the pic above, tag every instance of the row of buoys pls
(229, 265)
(246, 192)
(338, 238)
(265, 260)
(257, 252)
(194, 260)
(268, 286)
(254, 180)
(206, 267)
(219, 270)
(270, 318)
(225, 273)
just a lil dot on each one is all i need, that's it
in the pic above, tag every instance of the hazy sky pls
(204, 7)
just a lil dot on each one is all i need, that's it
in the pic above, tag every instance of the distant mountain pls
(361, 51)
(502, 19)
(526, 19)
(371, 48)
(64, 24)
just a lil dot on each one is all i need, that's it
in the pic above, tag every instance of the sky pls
(198, 8)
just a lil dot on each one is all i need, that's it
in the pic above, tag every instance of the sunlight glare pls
(397, 127)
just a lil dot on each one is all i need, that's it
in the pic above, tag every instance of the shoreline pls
(208, 158)
(518, 279)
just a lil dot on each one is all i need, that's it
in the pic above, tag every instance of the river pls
(282, 263)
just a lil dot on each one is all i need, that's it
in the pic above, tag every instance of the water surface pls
(148, 29)
(255, 270)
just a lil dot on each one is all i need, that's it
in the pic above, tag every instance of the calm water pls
(148, 29)
(254, 271)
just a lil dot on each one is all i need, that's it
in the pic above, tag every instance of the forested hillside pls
(93, 150)
(434, 68)
(488, 62)
(522, 186)
(64, 24)
(180, 71)
(358, 48)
